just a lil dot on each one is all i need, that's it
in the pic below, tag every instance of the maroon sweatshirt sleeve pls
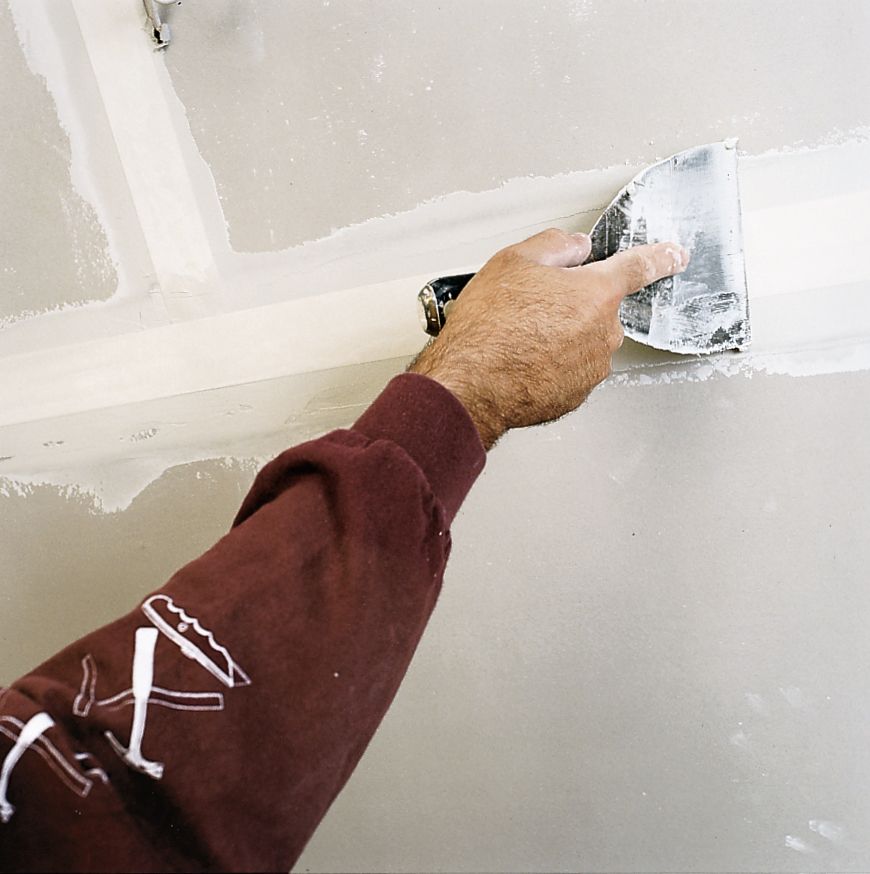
(211, 728)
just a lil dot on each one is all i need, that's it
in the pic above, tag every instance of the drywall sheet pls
(53, 249)
(73, 259)
(217, 189)
(314, 117)
(651, 651)
(69, 568)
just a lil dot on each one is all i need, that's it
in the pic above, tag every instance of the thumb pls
(555, 248)
(630, 270)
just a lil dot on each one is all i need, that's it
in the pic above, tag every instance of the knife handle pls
(437, 297)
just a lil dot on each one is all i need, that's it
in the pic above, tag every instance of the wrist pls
(485, 417)
(487, 422)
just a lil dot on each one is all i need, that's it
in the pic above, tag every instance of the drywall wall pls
(650, 653)
(562, 677)
(71, 568)
(42, 210)
(70, 228)
(316, 117)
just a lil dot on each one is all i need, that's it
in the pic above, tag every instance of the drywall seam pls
(785, 240)
(114, 453)
(47, 54)
(113, 489)
(842, 357)
(70, 410)
(327, 331)
(134, 86)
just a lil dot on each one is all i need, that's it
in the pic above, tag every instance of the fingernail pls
(581, 237)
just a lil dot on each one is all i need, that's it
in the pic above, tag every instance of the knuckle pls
(509, 257)
(553, 236)
(504, 252)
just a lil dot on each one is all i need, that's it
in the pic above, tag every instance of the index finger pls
(630, 270)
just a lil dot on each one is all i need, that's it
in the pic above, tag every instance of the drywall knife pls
(691, 198)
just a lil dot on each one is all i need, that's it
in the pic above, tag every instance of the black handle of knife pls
(436, 298)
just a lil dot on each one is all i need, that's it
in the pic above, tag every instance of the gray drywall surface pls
(312, 117)
(650, 652)
(69, 568)
(53, 250)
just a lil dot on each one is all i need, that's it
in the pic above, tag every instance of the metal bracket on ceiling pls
(158, 13)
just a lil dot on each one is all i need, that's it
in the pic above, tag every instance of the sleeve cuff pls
(434, 428)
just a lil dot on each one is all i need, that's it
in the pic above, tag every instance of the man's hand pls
(533, 333)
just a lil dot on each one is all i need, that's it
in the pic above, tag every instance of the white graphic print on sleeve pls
(88, 764)
(143, 679)
(195, 642)
(86, 699)
(30, 733)
(191, 638)
(27, 736)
